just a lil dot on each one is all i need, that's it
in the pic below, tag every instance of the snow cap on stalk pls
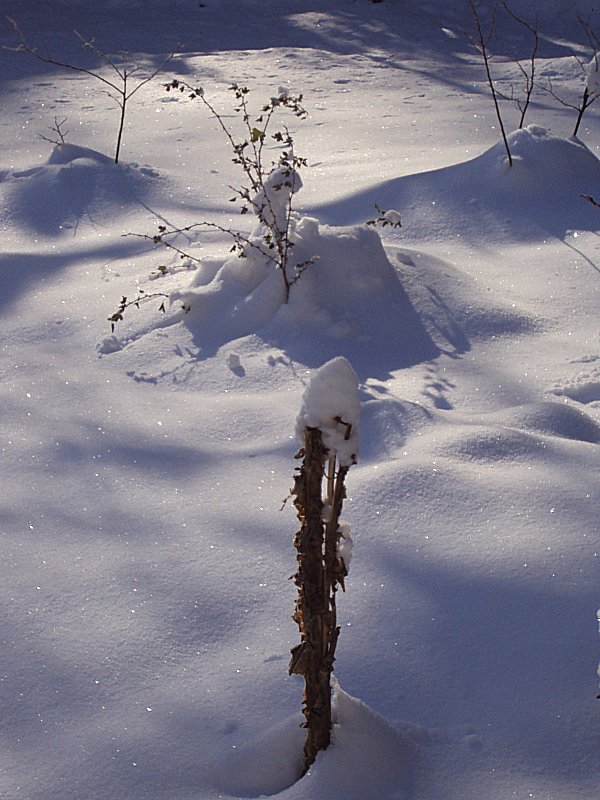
(331, 403)
(593, 77)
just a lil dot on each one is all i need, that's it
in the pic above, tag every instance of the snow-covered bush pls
(268, 190)
(269, 185)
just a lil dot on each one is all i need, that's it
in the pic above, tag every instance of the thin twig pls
(529, 76)
(483, 49)
(118, 90)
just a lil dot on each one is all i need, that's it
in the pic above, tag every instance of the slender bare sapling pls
(482, 42)
(126, 77)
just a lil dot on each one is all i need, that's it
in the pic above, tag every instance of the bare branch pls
(587, 99)
(483, 42)
(49, 59)
(57, 128)
(590, 199)
(140, 298)
(153, 74)
(590, 33)
(529, 75)
(118, 88)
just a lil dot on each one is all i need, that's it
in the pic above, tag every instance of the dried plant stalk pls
(320, 571)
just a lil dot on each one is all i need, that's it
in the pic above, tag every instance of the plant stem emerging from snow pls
(270, 187)
(482, 45)
(320, 572)
(120, 89)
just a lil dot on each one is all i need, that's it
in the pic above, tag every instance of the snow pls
(146, 601)
(273, 200)
(344, 547)
(331, 403)
(393, 217)
(593, 79)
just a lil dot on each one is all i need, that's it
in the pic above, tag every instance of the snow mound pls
(367, 758)
(66, 153)
(556, 419)
(494, 322)
(387, 423)
(520, 434)
(349, 301)
(75, 183)
(265, 765)
(492, 445)
(593, 77)
(484, 197)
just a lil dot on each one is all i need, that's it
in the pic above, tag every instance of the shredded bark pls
(319, 572)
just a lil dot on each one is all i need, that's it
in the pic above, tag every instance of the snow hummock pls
(331, 403)
(539, 195)
(76, 184)
(349, 301)
(66, 152)
(368, 757)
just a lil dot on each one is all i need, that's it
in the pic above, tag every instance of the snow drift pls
(348, 302)
(539, 196)
(75, 184)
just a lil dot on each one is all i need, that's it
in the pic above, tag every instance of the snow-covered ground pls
(146, 601)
